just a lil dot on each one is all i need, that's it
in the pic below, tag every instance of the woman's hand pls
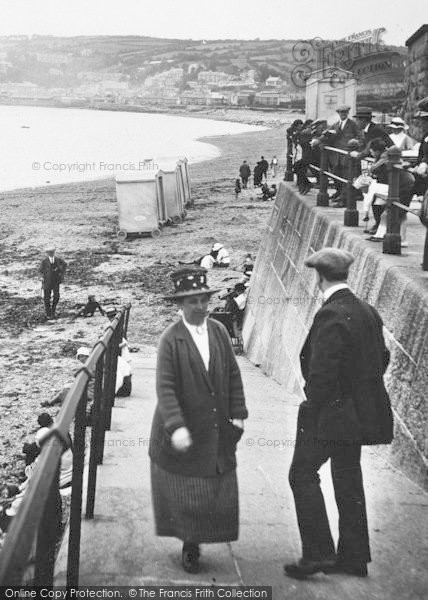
(238, 423)
(181, 439)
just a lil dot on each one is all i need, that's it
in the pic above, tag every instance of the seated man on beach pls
(90, 307)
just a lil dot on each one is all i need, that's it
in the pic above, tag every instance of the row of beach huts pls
(150, 199)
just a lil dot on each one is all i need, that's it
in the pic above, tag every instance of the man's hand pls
(181, 439)
(354, 154)
(238, 423)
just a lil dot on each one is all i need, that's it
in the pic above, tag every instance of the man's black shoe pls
(304, 568)
(357, 569)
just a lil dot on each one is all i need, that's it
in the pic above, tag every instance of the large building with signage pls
(416, 77)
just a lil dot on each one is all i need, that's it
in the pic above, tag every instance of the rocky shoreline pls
(37, 358)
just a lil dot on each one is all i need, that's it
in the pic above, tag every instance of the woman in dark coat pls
(197, 423)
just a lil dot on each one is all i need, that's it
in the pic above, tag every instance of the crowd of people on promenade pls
(368, 143)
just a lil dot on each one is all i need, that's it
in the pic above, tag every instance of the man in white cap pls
(338, 136)
(52, 269)
(343, 361)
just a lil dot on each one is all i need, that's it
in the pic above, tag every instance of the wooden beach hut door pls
(182, 165)
(168, 187)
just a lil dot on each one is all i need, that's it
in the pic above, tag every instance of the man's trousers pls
(309, 455)
(48, 291)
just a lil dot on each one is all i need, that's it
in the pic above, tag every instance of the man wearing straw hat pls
(197, 423)
(52, 269)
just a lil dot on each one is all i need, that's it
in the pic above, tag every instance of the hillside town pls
(136, 72)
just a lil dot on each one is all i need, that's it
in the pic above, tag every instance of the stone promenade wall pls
(284, 298)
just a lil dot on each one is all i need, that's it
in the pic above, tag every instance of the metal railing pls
(392, 239)
(28, 554)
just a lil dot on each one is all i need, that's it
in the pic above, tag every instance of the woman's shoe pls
(190, 557)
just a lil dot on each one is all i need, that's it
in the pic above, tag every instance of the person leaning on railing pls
(420, 171)
(338, 135)
(309, 139)
(378, 192)
(368, 131)
(379, 173)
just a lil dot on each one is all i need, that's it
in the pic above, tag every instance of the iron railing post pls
(73, 558)
(288, 175)
(392, 240)
(47, 535)
(115, 341)
(95, 440)
(322, 196)
(351, 215)
(104, 403)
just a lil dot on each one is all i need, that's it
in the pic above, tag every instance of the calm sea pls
(41, 146)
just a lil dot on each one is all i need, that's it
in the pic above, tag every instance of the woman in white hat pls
(396, 131)
(197, 423)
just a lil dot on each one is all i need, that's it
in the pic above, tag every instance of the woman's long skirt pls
(195, 509)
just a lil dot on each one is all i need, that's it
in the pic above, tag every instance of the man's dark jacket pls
(203, 402)
(53, 274)
(339, 139)
(343, 362)
(244, 171)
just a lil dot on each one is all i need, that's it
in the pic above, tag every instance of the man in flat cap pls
(338, 136)
(52, 268)
(343, 361)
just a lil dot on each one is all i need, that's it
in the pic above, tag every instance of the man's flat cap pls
(343, 108)
(333, 260)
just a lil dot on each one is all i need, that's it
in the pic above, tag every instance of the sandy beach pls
(37, 358)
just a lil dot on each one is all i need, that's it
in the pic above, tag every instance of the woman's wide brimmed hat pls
(190, 281)
(398, 123)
